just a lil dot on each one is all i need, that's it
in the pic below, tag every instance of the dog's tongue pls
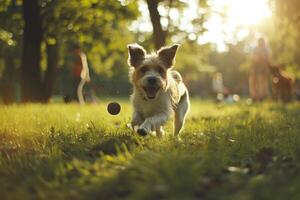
(151, 92)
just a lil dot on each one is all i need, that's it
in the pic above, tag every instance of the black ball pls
(113, 108)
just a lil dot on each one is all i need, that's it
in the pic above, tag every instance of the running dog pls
(158, 90)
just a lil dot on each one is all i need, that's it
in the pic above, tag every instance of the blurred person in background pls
(79, 74)
(218, 86)
(259, 72)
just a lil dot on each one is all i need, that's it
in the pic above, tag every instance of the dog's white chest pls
(152, 107)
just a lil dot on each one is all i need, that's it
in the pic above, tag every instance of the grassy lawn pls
(228, 152)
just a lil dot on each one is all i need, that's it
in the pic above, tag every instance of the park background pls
(229, 150)
(215, 35)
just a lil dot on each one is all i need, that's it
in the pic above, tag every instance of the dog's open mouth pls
(151, 91)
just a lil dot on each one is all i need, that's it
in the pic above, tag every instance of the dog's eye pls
(144, 69)
(160, 70)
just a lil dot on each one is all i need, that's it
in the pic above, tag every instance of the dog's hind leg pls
(180, 113)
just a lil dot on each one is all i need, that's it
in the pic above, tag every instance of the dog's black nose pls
(152, 80)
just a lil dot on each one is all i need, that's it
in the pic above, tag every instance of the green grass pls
(236, 151)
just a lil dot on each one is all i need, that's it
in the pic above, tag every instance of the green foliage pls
(284, 35)
(10, 30)
(6, 37)
(192, 59)
(100, 27)
(230, 64)
(286, 51)
(72, 152)
(288, 9)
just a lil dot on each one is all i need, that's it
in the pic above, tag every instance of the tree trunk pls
(30, 65)
(159, 35)
(8, 80)
(52, 65)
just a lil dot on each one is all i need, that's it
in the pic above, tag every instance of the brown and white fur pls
(158, 91)
(282, 84)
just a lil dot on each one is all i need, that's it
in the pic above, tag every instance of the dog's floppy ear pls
(167, 54)
(136, 54)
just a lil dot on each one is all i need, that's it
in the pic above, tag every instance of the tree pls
(52, 51)
(159, 35)
(31, 56)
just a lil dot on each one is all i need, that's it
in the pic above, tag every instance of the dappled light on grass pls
(241, 148)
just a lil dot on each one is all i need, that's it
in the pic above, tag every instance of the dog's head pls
(150, 71)
(275, 70)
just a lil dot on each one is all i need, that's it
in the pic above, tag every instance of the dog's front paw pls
(142, 131)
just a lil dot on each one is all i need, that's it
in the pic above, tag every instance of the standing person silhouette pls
(218, 86)
(80, 73)
(259, 72)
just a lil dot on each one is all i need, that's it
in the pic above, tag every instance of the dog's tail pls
(177, 77)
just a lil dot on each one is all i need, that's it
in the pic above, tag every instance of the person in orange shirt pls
(80, 73)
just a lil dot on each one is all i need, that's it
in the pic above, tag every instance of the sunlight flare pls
(249, 12)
